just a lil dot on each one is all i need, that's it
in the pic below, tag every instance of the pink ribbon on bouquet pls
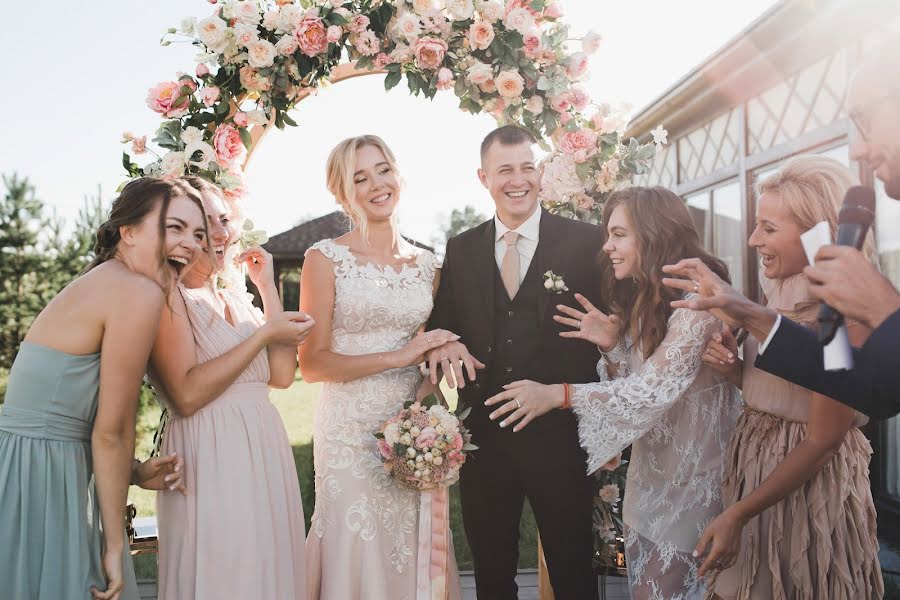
(432, 556)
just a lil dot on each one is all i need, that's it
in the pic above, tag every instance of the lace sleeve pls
(612, 414)
(619, 357)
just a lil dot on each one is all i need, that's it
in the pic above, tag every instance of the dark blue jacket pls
(871, 387)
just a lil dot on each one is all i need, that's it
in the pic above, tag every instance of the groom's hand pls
(451, 358)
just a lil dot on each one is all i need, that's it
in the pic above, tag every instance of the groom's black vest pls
(517, 340)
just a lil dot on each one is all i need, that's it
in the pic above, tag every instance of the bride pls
(370, 293)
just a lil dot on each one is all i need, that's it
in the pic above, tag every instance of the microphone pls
(854, 220)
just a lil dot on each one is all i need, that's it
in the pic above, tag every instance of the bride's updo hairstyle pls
(665, 234)
(812, 188)
(339, 172)
(136, 201)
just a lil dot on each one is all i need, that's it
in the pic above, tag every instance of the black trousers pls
(549, 470)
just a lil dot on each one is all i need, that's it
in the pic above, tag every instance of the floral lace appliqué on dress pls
(365, 523)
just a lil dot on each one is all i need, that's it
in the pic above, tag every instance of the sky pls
(75, 84)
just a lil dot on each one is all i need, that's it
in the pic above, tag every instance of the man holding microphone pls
(841, 276)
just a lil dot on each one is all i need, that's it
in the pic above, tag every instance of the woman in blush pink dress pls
(239, 533)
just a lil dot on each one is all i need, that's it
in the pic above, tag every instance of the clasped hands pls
(524, 401)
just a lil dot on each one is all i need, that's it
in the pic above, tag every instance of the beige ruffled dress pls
(820, 541)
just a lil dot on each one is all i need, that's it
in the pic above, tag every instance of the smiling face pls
(221, 233)
(874, 106)
(511, 175)
(376, 185)
(777, 238)
(622, 244)
(185, 234)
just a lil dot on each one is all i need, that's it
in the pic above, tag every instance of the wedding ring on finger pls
(696, 286)
(519, 404)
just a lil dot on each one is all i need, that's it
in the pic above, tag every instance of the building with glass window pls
(776, 90)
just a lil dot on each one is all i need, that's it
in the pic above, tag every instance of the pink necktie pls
(509, 269)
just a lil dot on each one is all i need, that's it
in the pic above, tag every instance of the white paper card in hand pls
(837, 354)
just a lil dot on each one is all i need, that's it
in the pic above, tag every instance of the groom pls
(492, 294)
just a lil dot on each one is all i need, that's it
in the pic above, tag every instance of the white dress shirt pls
(765, 342)
(529, 232)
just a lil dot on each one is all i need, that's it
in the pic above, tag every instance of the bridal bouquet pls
(425, 445)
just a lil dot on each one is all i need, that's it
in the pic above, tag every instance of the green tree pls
(22, 262)
(461, 220)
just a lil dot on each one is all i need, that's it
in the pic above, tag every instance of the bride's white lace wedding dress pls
(678, 415)
(363, 537)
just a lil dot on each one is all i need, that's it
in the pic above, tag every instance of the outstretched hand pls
(524, 401)
(711, 292)
(591, 325)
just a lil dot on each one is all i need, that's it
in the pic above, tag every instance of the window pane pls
(730, 230)
(698, 207)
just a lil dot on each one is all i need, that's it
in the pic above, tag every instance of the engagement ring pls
(696, 286)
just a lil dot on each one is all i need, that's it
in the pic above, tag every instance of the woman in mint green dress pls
(67, 425)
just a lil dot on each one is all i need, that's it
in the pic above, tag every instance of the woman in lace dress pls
(239, 532)
(655, 393)
(800, 521)
(370, 293)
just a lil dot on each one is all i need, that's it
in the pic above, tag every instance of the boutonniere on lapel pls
(554, 283)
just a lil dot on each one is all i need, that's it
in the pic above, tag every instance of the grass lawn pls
(296, 405)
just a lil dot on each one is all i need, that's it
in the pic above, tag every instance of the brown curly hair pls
(665, 234)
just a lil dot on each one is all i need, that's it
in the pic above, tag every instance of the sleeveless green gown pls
(50, 535)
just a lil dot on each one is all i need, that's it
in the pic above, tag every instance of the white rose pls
(479, 73)
(559, 284)
(417, 474)
(246, 11)
(172, 164)
(438, 461)
(423, 6)
(271, 19)
(259, 117)
(548, 284)
(408, 26)
(286, 46)
(535, 105)
(406, 439)
(261, 54)
(461, 9)
(411, 464)
(492, 11)
(429, 457)
(420, 458)
(245, 34)
(188, 25)
(411, 452)
(211, 31)
(392, 434)
(191, 135)
(207, 154)
(289, 17)
(415, 431)
(520, 20)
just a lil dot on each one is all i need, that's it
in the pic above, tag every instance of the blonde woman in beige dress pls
(800, 520)
(239, 532)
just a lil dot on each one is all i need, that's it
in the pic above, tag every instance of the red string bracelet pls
(567, 403)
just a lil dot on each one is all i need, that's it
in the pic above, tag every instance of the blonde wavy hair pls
(812, 188)
(339, 170)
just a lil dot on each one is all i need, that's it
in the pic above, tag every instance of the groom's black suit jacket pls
(466, 305)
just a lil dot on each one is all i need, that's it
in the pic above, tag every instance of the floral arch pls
(257, 59)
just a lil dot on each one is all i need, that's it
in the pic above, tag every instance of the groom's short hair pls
(508, 135)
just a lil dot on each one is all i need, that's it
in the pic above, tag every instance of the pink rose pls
(426, 438)
(580, 156)
(209, 95)
(525, 4)
(240, 119)
(532, 45)
(430, 52)
(580, 139)
(311, 36)
(576, 66)
(385, 449)
(445, 79)
(165, 98)
(202, 70)
(139, 145)
(579, 99)
(333, 34)
(253, 81)
(554, 10)
(382, 60)
(457, 442)
(481, 34)
(358, 24)
(560, 103)
(228, 145)
(367, 43)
